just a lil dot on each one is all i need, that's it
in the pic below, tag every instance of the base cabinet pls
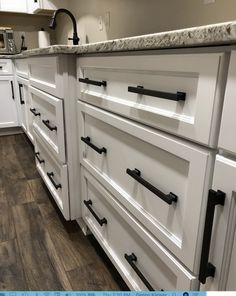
(222, 245)
(8, 111)
(144, 191)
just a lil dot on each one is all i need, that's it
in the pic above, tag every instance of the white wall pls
(137, 17)
(30, 24)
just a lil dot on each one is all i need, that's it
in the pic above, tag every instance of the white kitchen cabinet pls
(22, 86)
(46, 6)
(52, 95)
(14, 6)
(227, 140)
(8, 111)
(24, 97)
(223, 231)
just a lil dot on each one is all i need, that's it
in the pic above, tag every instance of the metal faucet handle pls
(75, 40)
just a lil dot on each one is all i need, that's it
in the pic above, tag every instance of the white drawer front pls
(45, 74)
(48, 121)
(122, 234)
(22, 68)
(168, 164)
(193, 74)
(54, 175)
(5, 67)
(227, 138)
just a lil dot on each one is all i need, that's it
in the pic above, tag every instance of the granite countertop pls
(215, 34)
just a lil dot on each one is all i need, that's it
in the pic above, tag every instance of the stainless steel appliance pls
(7, 44)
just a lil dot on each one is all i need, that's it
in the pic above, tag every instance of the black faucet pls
(53, 24)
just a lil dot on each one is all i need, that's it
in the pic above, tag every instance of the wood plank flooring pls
(39, 250)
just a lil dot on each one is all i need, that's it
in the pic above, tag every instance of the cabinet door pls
(8, 113)
(227, 140)
(33, 5)
(29, 114)
(22, 94)
(14, 5)
(221, 243)
(47, 5)
(53, 4)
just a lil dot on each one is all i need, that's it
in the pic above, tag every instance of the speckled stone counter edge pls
(216, 34)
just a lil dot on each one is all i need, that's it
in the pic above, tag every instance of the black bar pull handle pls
(12, 91)
(178, 96)
(88, 204)
(21, 99)
(47, 123)
(206, 268)
(133, 258)
(39, 159)
(33, 110)
(93, 82)
(168, 198)
(50, 176)
(87, 141)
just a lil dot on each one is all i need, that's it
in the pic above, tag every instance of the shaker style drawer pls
(48, 121)
(45, 74)
(22, 68)
(54, 175)
(5, 67)
(159, 179)
(142, 261)
(176, 93)
(227, 139)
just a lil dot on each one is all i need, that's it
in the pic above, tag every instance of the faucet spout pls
(53, 23)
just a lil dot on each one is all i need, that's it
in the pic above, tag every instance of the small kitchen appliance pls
(7, 44)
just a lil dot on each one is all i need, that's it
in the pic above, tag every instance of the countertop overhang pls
(209, 35)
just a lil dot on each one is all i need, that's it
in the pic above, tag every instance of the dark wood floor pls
(39, 250)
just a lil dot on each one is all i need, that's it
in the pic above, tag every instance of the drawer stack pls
(145, 190)
(50, 109)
